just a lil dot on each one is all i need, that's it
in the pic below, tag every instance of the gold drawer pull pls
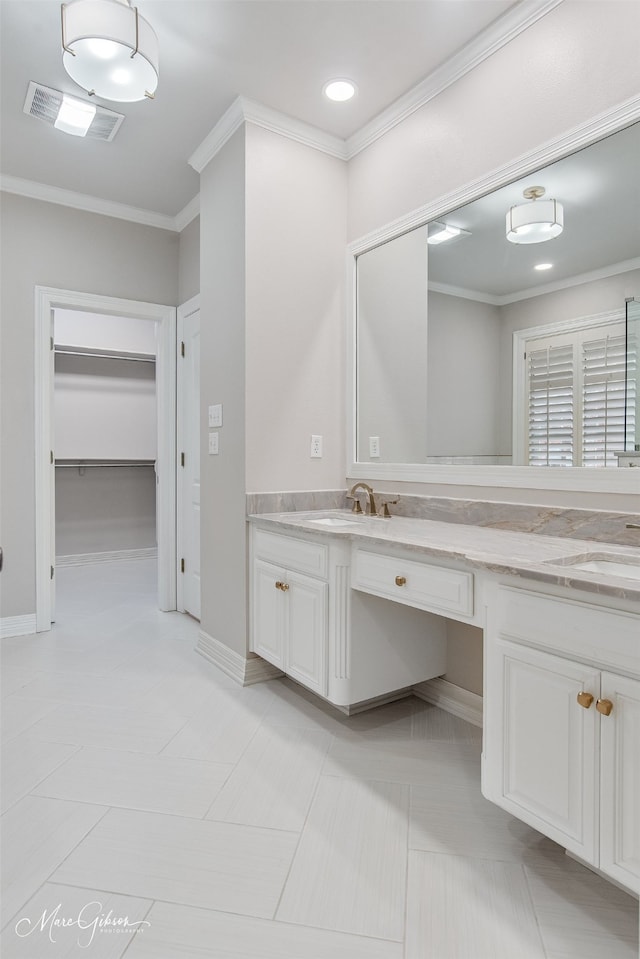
(401, 580)
(585, 699)
(604, 706)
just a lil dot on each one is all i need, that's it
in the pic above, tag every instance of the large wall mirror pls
(472, 350)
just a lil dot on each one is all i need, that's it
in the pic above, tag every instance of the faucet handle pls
(384, 507)
(356, 508)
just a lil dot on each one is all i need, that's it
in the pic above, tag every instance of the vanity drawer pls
(435, 588)
(302, 555)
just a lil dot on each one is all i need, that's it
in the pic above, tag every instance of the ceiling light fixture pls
(537, 221)
(109, 49)
(543, 266)
(441, 232)
(77, 117)
(339, 90)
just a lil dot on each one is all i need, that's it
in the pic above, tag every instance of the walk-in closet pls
(105, 437)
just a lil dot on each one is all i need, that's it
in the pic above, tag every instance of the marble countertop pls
(529, 555)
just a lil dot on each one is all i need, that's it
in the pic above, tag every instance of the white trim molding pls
(94, 204)
(17, 626)
(244, 670)
(243, 110)
(603, 125)
(46, 300)
(506, 28)
(453, 699)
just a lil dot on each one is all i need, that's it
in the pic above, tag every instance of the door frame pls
(46, 300)
(184, 311)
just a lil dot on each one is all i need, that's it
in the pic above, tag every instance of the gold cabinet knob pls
(585, 699)
(604, 706)
(278, 584)
(401, 580)
(284, 587)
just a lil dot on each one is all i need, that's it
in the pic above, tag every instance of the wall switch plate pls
(374, 446)
(215, 415)
(316, 447)
(213, 444)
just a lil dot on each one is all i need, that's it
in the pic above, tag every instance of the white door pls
(189, 460)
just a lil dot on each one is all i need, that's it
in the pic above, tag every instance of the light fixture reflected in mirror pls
(442, 232)
(537, 221)
(109, 49)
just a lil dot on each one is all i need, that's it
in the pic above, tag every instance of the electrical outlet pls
(213, 444)
(316, 447)
(374, 446)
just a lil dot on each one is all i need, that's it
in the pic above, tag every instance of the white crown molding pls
(187, 214)
(84, 202)
(243, 110)
(578, 137)
(614, 269)
(497, 35)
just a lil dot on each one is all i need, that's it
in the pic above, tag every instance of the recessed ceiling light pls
(543, 266)
(339, 90)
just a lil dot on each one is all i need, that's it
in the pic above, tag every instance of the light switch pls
(215, 415)
(213, 444)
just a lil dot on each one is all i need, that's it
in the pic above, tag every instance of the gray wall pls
(50, 245)
(104, 509)
(222, 379)
(189, 261)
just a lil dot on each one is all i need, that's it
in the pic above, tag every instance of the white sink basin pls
(610, 567)
(332, 521)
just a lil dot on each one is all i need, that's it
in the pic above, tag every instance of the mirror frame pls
(575, 478)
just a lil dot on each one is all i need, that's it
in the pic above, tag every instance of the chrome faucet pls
(370, 508)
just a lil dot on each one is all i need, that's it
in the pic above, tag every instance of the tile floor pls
(229, 823)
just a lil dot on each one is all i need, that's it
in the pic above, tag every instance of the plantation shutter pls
(550, 380)
(607, 410)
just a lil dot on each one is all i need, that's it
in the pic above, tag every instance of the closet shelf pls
(77, 464)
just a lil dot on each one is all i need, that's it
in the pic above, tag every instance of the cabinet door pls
(267, 630)
(541, 762)
(306, 631)
(620, 781)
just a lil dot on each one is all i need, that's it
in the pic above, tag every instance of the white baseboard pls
(110, 556)
(17, 625)
(453, 699)
(245, 671)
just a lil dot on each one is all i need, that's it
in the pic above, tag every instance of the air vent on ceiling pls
(43, 103)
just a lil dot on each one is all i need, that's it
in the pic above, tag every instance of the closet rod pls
(105, 356)
(93, 464)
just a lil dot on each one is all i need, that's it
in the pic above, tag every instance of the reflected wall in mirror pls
(633, 374)
(436, 323)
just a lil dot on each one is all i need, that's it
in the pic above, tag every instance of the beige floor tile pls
(349, 870)
(135, 729)
(221, 729)
(184, 933)
(461, 908)
(214, 865)
(37, 834)
(273, 784)
(114, 777)
(406, 761)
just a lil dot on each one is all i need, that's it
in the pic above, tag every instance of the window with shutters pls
(578, 410)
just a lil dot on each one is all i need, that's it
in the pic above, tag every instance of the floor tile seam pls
(136, 752)
(371, 780)
(80, 840)
(235, 765)
(192, 819)
(10, 739)
(22, 905)
(534, 910)
(29, 791)
(132, 938)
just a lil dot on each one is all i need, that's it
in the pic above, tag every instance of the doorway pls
(164, 318)
(188, 500)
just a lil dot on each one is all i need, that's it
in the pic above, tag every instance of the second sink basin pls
(609, 565)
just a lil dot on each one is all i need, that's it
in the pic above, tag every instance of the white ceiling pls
(277, 52)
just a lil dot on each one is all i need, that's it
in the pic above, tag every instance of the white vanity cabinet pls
(562, 724)
(348, 647)
(289, 608)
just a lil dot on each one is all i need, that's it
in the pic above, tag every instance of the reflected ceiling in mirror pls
(435, 320)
